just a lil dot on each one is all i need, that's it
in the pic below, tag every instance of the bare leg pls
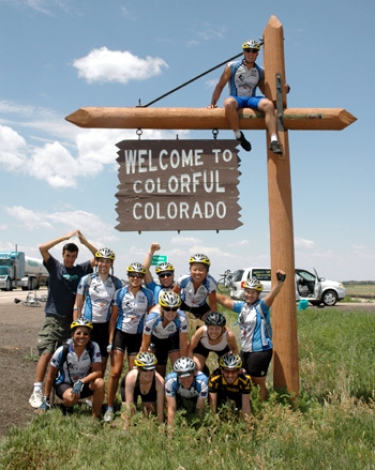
(117, 360)
(98, 396)
(200, 361)
(267, 107)
(231, 113)
(41, 367)
(261, 383)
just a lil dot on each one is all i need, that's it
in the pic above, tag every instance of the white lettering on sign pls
(179, 210)
(141, 161)
(209, 180)
(181, 184)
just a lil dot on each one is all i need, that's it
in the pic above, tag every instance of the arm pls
(96, 373)
(88, 245)
(212, 301)
(148, 259)
(275, 289)
(246, 410)
(171, 410)
(219, 87)
(195, 340)
(77, 311)
(213, 402)
(176, 289)
(184, 344)
(129, 398)
(225, 301)
(160, 398)
(45, 247)
(146, 340)
(232, 342)
(201, 403)
(112, 323)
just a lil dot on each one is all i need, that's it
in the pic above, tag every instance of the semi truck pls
(19, 270)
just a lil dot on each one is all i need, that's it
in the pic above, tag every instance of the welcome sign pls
(178, 185)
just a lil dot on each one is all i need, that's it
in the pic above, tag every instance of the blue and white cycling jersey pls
(132, 309)
(154, 325)
(98, 296)
(255, 330)
(196, 298)
(244, 81)
(157, 289)
(75, 368)
(198, 389)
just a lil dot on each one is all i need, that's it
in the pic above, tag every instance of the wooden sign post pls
(285, 365)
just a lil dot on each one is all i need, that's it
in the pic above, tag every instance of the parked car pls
(309, 286)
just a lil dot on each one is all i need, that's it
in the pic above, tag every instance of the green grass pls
(357, 290)
(330, 426)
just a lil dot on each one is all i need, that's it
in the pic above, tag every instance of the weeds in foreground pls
(331, 425)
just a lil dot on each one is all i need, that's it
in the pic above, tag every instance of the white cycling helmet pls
(184, 366)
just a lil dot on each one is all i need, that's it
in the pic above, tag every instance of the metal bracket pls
(279, 103)
(215, 133)
(139, 132)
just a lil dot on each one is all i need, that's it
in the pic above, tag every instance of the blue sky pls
(57, 56)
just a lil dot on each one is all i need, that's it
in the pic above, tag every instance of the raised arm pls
(88, 245)
(280, 275)
(148, 259)
(225, 301)
(45, 247)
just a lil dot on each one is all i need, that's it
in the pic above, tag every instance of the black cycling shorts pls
(126, 341)
(256, 363)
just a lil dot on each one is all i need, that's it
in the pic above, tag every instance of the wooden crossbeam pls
(203, 118)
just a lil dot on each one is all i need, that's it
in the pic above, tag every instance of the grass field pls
(331, 425)
(360, 290)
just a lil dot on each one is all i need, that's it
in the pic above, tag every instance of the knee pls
(98, 385)
(267, 106)
(230, 103)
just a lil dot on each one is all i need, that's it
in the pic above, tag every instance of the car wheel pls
(329, 298)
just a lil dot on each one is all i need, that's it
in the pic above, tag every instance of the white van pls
(309, 286)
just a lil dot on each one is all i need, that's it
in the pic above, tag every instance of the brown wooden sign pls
(178, 185)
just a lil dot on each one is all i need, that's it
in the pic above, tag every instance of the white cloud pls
(303, 243)
(103, 65)
(78, 153)
(12, 149)
(62, 222)
(189, 241)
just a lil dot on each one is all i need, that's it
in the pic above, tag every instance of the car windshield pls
(306, 275)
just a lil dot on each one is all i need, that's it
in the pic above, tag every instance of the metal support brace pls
(279, 103)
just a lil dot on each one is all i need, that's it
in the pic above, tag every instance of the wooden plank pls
(204, 118)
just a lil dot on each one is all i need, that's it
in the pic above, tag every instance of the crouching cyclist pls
(145, 382)
(78, 368)
(185, 388)
(228, 384)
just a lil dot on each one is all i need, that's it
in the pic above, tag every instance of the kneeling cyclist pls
(78, 368)
(228, 383)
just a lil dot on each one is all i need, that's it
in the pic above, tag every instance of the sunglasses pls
(174, 309)
(251, 50)
(165, 275)
(137, 276)
(231, 371)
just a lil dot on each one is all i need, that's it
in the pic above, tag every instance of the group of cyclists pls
(149, 322)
